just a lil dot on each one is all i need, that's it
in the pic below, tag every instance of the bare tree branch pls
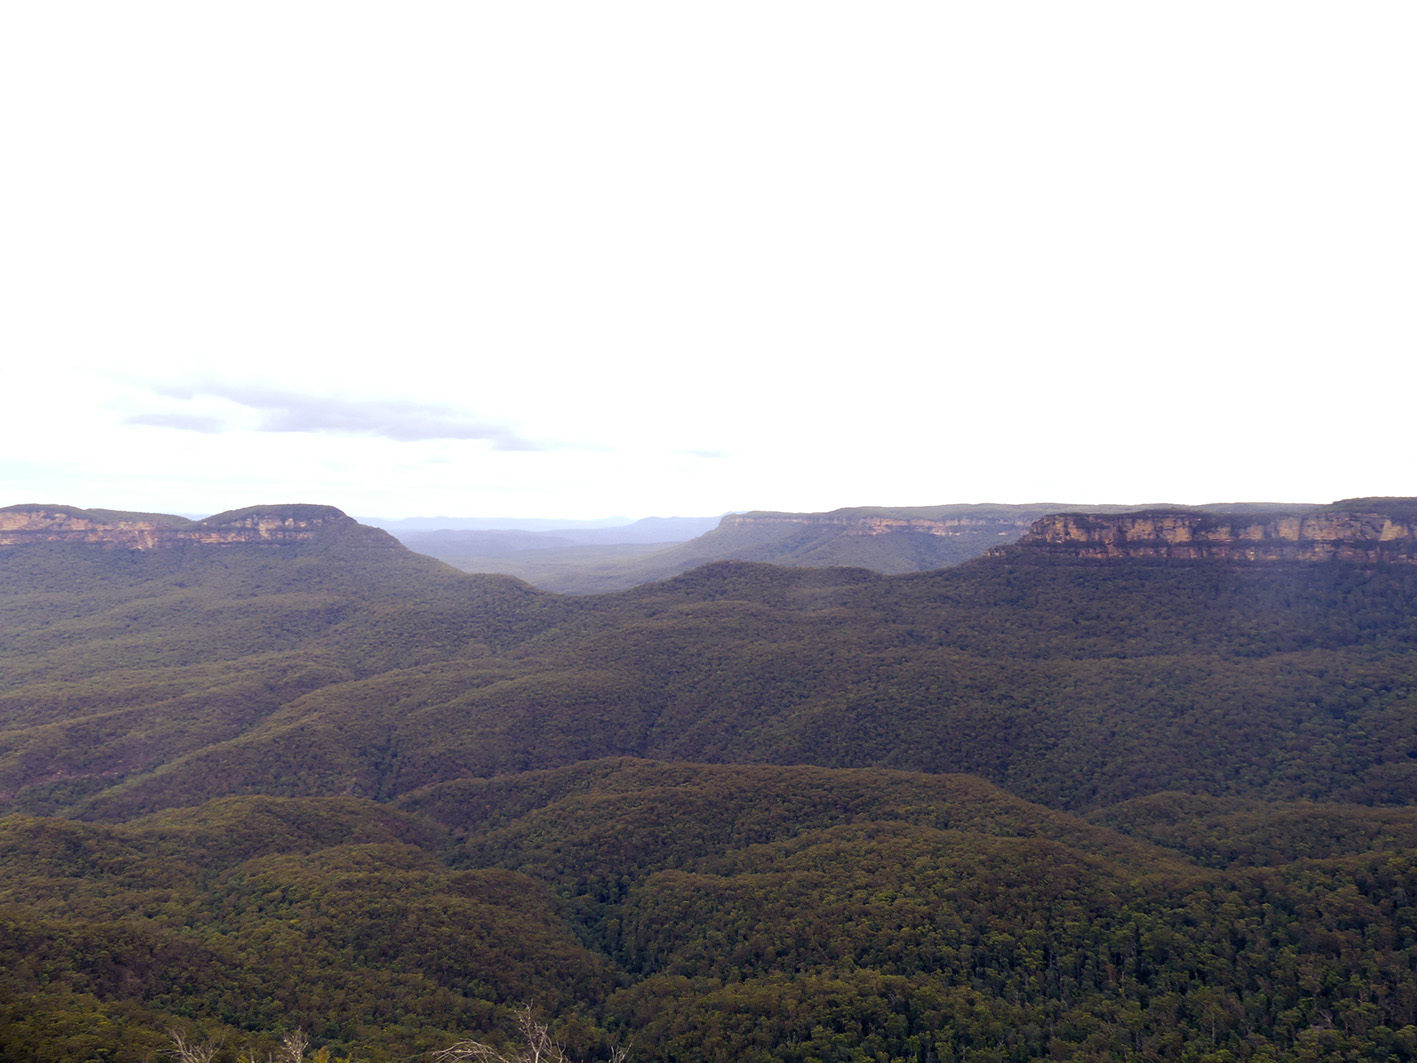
(191, 1051)
(538, 1046)
(292, 1047)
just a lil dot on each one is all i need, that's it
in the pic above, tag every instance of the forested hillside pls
(1032, 807)
(147, 680)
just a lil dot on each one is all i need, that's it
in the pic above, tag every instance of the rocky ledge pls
(1372, 530)
(264, 525)
(1006, 522)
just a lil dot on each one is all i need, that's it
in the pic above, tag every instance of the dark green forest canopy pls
(1027, 808)
(698, 912)
(290, 511)
(1396, 508)
(136, 681)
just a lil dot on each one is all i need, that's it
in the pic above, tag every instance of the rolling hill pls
(275, 770)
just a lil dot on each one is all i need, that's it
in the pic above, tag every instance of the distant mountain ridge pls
(890, 540)
(266, 525)
(886, 539)
(499, 541)
(1357, 529)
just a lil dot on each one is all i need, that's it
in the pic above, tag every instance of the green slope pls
(705, 913)
(116, 662)
(1021, 809)
(147, 681)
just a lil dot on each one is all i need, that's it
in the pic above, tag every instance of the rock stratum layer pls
(886, 540)
(1384, 530)
(262, 525)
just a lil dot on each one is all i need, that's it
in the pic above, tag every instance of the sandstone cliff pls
(850, 522)
(886, 540)
(264, 525)
(1371, 530)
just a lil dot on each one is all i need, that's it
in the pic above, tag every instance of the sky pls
(578, 260)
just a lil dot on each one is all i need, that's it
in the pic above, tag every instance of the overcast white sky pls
(583, 259)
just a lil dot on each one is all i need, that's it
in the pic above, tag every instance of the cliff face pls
(885, 541)
(1320, 535)
(268, 525)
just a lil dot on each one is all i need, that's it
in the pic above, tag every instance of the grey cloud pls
(186, 422)
(279, 410)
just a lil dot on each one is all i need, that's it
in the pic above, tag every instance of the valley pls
(1131, 785)
(884, 539)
